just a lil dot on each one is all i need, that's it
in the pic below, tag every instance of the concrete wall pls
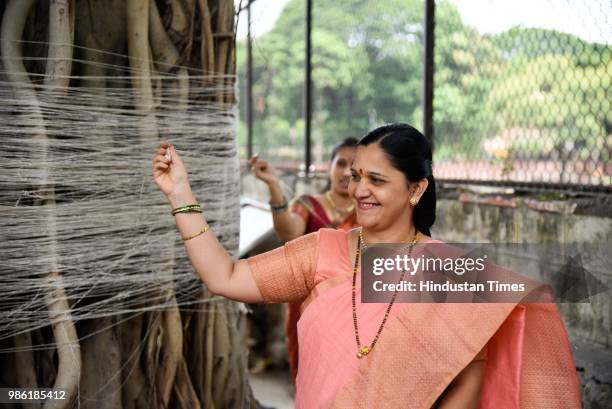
(465, 215)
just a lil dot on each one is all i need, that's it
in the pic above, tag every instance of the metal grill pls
(527, 107)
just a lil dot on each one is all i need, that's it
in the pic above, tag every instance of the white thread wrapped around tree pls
(96, 295)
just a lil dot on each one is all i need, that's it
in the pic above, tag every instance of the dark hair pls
(409, 152)
(349, 142)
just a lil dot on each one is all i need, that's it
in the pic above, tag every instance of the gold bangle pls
(204, 230)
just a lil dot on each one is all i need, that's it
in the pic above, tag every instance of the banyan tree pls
(96, 295)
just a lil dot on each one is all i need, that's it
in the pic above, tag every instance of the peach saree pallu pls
(422, 348)
(314, 214)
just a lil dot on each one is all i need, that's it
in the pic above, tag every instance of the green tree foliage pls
(541, 92)
(367, 70)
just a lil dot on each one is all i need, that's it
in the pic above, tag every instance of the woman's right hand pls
(263, 170)
(170, 175)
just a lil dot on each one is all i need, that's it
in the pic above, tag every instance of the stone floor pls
(273, 389)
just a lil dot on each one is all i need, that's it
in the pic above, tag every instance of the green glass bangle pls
(193, 208)
(279, 208)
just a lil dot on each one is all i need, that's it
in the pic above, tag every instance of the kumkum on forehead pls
(363, 173)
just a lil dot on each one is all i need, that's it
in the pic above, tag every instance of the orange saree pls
(423, 346)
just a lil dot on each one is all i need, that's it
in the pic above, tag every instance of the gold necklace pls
(335, 208)
(364, 350)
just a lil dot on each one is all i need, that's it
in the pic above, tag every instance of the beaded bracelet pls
(192, 208)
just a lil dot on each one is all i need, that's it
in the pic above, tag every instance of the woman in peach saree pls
(361, 355)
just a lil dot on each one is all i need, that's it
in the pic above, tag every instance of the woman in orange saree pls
(361, 355)
(307, 214)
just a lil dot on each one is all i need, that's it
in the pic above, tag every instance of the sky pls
(590, 20)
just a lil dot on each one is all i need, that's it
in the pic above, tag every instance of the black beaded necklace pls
(364, 350)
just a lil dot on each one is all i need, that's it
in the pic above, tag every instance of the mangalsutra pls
(363, 350)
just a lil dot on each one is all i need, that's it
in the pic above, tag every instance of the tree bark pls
(13, 22)
(225, 34)
(140, 60)
(172, 352)
(134, 391)
(209, 345)
(186, 397)
(207, 49)
(101, 381)
(167, 57)
(61, 14)
(24, 365)
(169, 364)
(61, 38)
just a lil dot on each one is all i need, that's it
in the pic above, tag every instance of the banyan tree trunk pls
(96, 295)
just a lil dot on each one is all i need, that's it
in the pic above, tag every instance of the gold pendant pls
(363, 351)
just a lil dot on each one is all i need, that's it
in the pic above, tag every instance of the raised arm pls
(287, 225)
(221, 274)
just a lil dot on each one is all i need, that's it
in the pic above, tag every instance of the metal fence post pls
(308, 88)
(249, 98)
(428, 67)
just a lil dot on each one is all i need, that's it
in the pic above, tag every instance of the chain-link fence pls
(527, 106)
(521, 89)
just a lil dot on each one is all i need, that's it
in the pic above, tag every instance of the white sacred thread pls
(115, 240)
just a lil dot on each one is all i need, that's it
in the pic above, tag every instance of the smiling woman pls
(366, 355)
(392, 181)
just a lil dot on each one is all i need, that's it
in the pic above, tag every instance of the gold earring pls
(413, 201)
